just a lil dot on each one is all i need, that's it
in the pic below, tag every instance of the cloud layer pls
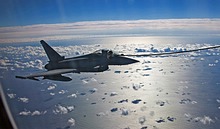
(108, 28)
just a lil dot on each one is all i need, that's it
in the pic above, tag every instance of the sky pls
(29, 12)
(22, 20)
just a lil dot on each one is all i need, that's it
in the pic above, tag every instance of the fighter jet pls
(97, 61)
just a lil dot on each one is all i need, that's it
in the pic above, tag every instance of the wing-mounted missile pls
(31, 78)
(52, 75)
(58, 78)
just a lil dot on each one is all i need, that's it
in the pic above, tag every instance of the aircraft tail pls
(51, 53)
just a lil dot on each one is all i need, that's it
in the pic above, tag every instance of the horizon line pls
(83, 29)
(153, 19)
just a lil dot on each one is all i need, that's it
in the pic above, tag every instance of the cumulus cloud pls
(72, 96)
(11, 96)
(105, 28)
(71, 121)
(52, 94)
(25, 113)
(20, 57)
(204, 120)
(34, 113)
(39, 64)
(52, 87)
(24, 100)
(4, 62)
(62, 91)
(37, 113)
(62, 109)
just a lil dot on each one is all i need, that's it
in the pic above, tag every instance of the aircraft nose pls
(118, 60)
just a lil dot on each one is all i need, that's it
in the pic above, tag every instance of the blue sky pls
(30, 12)
(34, 20)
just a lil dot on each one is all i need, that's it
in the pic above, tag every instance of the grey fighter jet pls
(97, 61)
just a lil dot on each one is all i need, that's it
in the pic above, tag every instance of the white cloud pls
(39, 64)
(204, 120)
(71, 121)
(70, 108)
(62, 109)
(62, 91)
(52, 87)
(24, 100)
(3, 68)
(105, 28)
(11, 96)
(52, 94)
(3, 62)
(34, 113)
(37, 113)
(72, 96)
(25, 113)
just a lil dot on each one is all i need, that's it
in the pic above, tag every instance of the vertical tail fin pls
(51, 53)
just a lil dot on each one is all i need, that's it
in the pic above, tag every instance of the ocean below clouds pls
(171, 91)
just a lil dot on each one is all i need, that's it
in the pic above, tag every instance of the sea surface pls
(159, 92)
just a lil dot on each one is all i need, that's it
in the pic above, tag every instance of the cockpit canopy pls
(107, 52)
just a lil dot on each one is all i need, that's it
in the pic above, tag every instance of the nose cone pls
(118, 60)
